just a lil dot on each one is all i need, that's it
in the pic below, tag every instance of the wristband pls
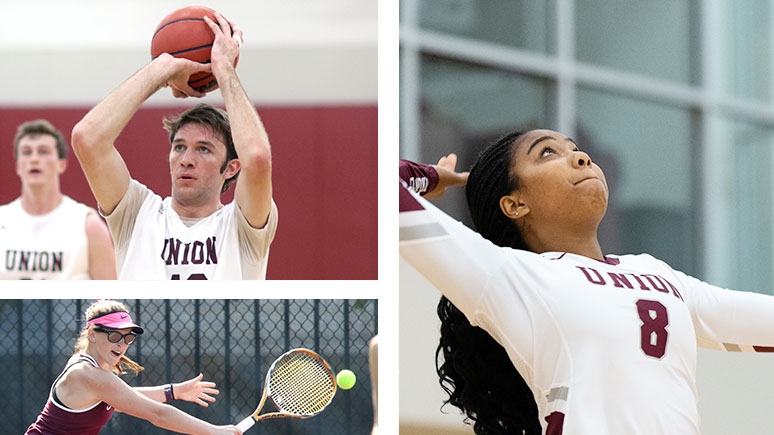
(169, 393)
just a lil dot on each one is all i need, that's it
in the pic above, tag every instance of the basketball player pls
(45, 234)
(601, 344)
(190, 235)
(87, 392)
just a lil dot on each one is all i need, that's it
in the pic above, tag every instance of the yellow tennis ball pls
(345, 379)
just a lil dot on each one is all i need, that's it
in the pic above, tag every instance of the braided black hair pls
(472, 367)
(490, 179)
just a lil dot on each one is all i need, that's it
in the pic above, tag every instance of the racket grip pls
(246, 424)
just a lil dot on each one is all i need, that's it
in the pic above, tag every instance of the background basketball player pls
(45, 234)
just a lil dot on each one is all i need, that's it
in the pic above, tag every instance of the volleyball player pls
(85, 395)
(541, 332)
(190, 235)
(45, 234)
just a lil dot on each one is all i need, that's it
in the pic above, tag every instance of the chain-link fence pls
(233, 342)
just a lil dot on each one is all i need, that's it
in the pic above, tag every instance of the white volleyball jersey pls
(152, 242)
(607, 347)
(51, 246)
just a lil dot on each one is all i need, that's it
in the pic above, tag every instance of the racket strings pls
(301, 384)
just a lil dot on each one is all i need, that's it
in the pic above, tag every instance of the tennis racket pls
(300, 384)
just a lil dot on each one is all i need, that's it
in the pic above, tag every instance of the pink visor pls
(116, 320)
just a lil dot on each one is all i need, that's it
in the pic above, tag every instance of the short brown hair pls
(215, 118)
(36, 127)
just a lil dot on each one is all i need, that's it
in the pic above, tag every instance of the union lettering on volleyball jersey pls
(605, 346)
(52, 246)
(153, 242)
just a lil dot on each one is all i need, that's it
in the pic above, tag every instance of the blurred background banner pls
(232, 342)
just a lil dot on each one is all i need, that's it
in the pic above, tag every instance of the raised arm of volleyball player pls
(200, 167)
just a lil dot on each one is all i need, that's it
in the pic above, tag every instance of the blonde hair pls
(96, 309)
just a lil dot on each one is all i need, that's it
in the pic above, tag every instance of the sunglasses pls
(115, 336)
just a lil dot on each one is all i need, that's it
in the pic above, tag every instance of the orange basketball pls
(184, 33)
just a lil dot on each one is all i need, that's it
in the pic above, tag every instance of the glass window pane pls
(465, 106)
(645, 151)
(743, 59)
(749, 234)
(518, 23)
(644, 37)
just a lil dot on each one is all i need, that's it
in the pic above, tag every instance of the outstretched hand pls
(197, 391)
(447, 176)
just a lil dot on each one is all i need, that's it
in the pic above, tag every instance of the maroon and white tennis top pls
(57, 419)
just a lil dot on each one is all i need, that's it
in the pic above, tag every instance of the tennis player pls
(45, 234)
(542, 333)
(88, 391)
(192, 234)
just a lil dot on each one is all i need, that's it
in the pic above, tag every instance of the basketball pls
(184, 33)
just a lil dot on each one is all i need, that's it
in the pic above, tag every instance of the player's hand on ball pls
(228, 41)
(179, 71)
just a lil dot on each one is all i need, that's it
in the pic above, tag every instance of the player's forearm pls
(254, 189)
(104, 123)
(169, 417)
(250, 138)
(451, 256)
(155, 393)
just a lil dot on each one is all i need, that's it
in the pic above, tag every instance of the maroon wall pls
(325, 180)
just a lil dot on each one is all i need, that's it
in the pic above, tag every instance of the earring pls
(517, 213)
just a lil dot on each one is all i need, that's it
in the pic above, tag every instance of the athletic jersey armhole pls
(54, 398)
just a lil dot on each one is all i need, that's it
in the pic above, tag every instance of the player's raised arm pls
(254, 189)
(93, 138)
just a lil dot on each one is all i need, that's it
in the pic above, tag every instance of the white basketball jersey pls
(52, 246)
(152, 241)
(607, 347)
